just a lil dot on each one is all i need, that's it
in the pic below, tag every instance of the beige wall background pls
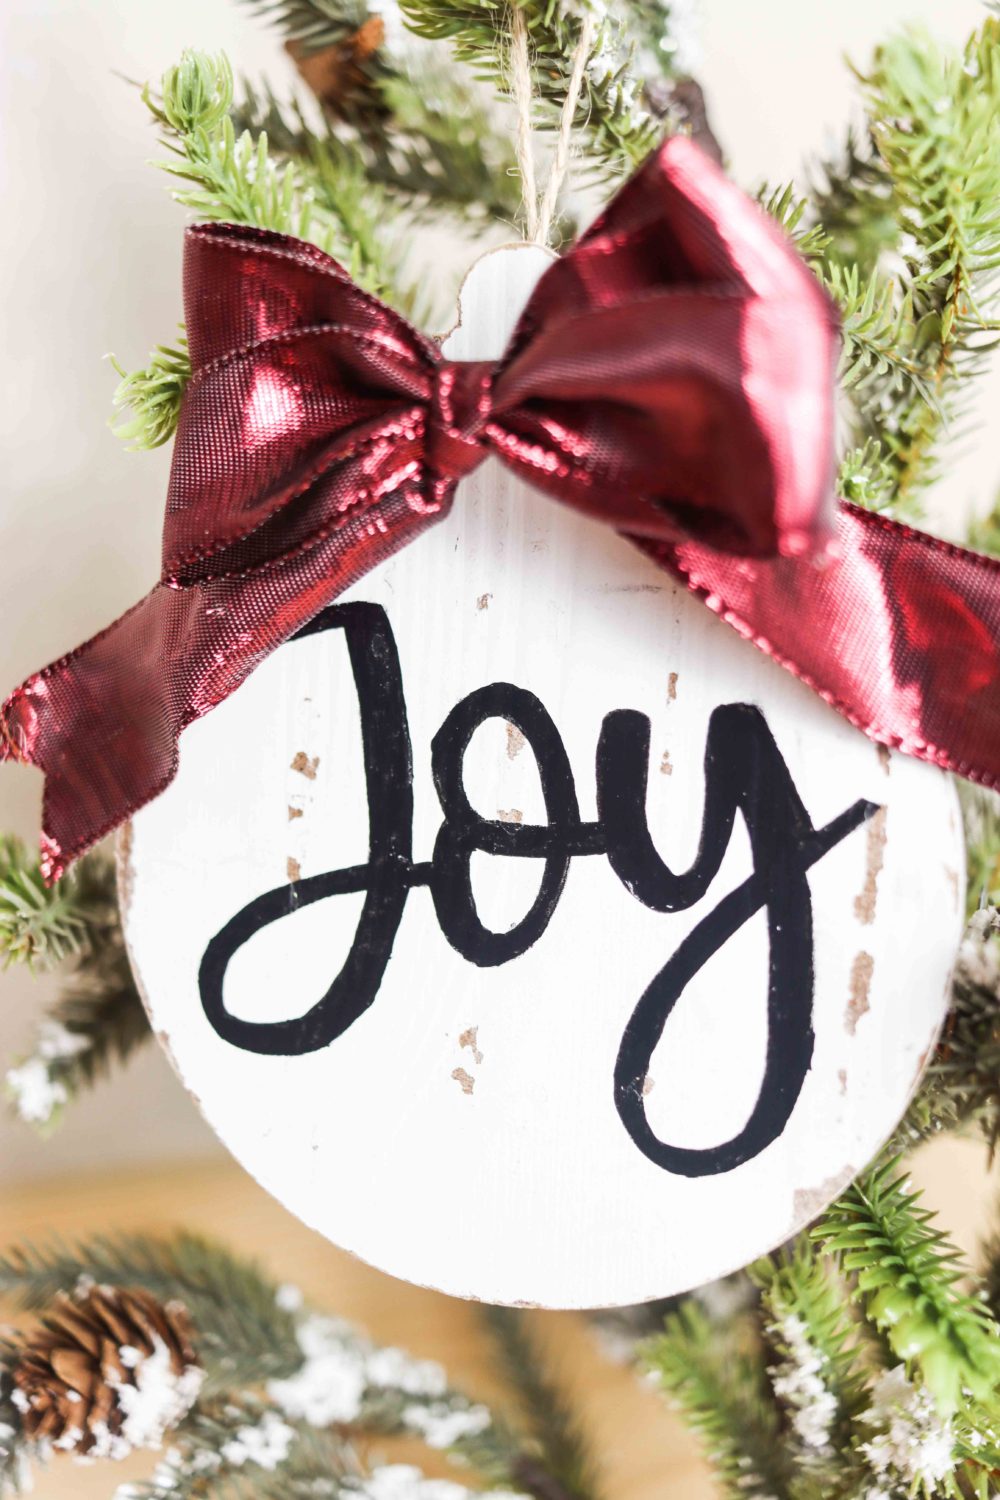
(90, 261)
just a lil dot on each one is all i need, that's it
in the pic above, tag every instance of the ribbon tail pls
(897, 630)
(103, 722)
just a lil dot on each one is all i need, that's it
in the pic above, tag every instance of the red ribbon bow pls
(672, 376)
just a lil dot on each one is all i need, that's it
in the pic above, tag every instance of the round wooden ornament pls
(525, 931)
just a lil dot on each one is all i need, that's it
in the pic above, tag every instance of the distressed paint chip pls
(515, 741)
(666, 769)
(465, 1080)
(648, 1085)
(483, 602)
(469, 1038)
(864, 905)
(672, 687)
(510, 815)
(294, 869)
(294, 812)
(808, 1203)
(858, 1003)
(126, 869)
(306, 767)
(884, 757)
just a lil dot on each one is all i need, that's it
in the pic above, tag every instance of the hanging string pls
(560, 158)
(521, 88)
(539, 213)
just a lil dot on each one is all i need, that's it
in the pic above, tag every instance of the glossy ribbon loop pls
(672, 376)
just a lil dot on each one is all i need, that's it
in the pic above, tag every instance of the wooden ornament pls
(525, 931)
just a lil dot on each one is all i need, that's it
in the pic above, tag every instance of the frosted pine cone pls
(109, 1371)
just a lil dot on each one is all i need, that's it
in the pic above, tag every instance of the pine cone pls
(338, 75)
(108, 1371)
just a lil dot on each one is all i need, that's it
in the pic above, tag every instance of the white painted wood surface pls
(462, 1133)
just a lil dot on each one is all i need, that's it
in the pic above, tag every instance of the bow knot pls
(461, 404)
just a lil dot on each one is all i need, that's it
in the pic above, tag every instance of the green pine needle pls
(433, 145)
(317, 24)
(203, 1466)
(40, 925)
(791, 213)
(152, 396)
(907, 1276)
(866, 476)
(98, 1019)
(984, 532)
(620, 130)
(878, 330)
(800, 1292)
(961, 1088)
(563, 1456)
(718, 1378)
(853, 200)
(232, 177)
(934, 118)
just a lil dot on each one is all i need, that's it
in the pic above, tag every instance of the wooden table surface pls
(643, 1450)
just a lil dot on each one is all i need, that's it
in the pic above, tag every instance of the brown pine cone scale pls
(76, 1379)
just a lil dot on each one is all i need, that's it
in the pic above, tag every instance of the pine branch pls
(877, 317)
(853, 200)
(233, 178)
(40, 925)
(984, 532)
(245, 1335)
(878, 332)
(153, 397)
(981, 813)
(906, 1274)
(961, 1088)
(935, 122)
(723, 1392)
(285, 1389)
(420, 130)
(821, 1372)
(397, 1404)
(879, 364)
(791, 213)
(866, 476)
(15, 1458)
(558, 1465)
(244, 1449)
(434, 145)
(98, 1020)
(319, 1373)
(317, 24)
(620, 130)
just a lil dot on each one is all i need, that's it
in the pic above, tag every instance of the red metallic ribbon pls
(671, 376)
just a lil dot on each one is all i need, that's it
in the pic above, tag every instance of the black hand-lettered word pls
(744, 772)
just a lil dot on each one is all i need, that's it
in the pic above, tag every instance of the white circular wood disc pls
(466, 1130)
